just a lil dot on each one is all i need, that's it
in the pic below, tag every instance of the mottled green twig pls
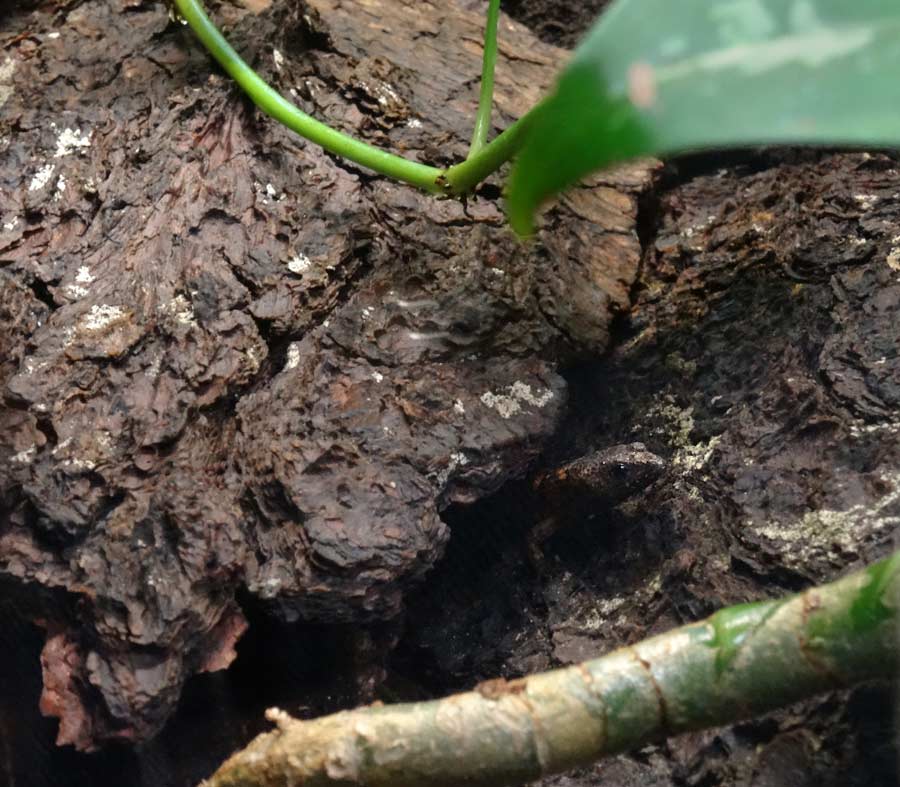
(742, 661)
(486, 96)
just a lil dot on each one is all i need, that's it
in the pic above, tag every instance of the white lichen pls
(607, 606)
(459, 408)
(703, 226)
(42, 177)
(522, 392)
(866, 201)
(510, 402)
(70, 141)
(507, 406)
(861, 429)
(695, 456)
(254, 359)
(181, 309)
(377, 377)
(30, 366)
(457, 459)
(676, 425)
(270, 587)
(76, 291)
(79, 464)
(9, 226)
(299, 263)
(154, 367)
(607, 612)
(293, 356)
(24, 457)
(62, 446)
(266, 193)
(101, 316)
(103, 439)
(830, 534)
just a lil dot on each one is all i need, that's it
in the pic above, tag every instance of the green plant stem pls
(272, 103)
(456, 181)
(486, 97)
(742, 661)
(463, 177)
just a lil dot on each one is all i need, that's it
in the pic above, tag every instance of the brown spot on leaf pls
(642, 85)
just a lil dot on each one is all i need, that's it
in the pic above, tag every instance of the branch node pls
(498, 687)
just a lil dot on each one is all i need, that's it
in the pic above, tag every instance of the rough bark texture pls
(760, 360)
(231, 361)
(240, 378)
(561, 23)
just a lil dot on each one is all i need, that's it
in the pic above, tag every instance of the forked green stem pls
(463, 177)
(272, 103)
(458, 180)
(486, 97)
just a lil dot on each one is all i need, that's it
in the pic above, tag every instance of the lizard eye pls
(620, 471)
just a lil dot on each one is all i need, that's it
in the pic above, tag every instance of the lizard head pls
(614, 473)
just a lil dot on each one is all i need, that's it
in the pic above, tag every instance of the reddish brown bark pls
(231, 361)
(758, 360)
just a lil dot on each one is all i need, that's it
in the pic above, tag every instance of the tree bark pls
(758, 359)
(231, 362)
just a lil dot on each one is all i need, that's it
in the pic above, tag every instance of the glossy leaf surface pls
(667, 76)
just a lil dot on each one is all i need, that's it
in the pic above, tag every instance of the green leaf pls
(668, 76)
